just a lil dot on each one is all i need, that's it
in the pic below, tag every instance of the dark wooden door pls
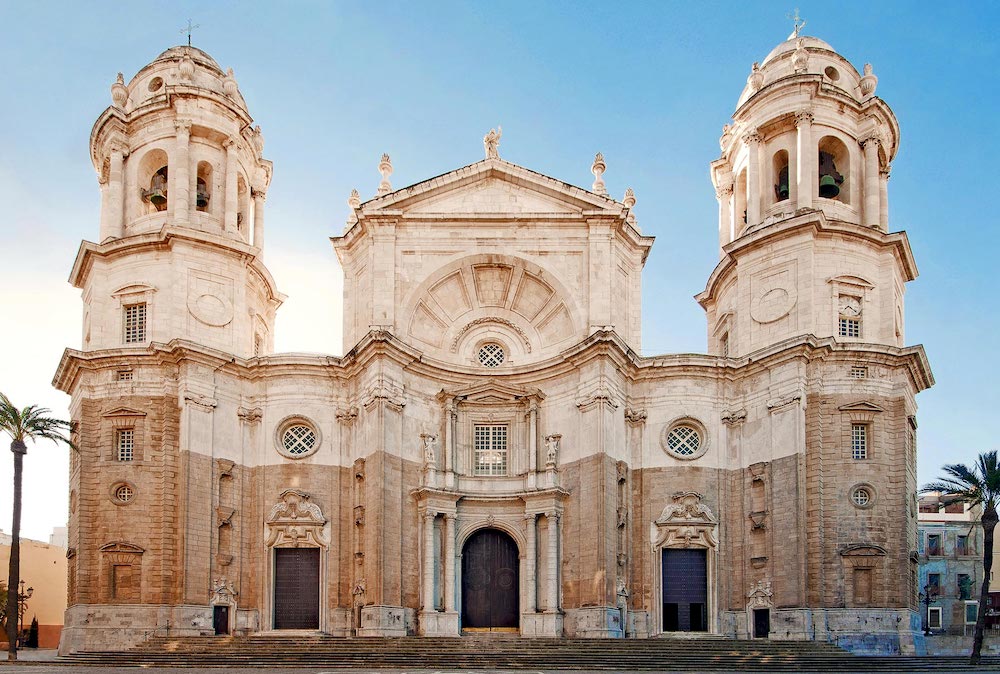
(761, 623)
(296, 588)
(220, 619)
(685, 591)
(490, 588)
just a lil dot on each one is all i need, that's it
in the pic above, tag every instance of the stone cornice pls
(164, 239)
(817, 221)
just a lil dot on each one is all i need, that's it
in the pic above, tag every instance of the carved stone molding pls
(685, 523)
(600, 397)
(778, 404)
(223, 591)
(294, 522)
(224, 516)
(384, 393)
(760, 595)
(732, 417)
(225, 467)
(200, 402)
(634, 416)
(250, 415)
(347, 415)
(490, 319)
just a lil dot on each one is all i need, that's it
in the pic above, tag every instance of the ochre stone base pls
(439, 624)
(383, 621)
(598, 622)
(548, 624)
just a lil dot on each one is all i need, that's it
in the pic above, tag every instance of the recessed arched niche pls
(834, 170)
(203, 193)
(153, 181)
(780, 168)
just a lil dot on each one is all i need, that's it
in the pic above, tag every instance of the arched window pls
(779, 168)
(152, 179)
(204, 186)
(834, 170)
(157, 192)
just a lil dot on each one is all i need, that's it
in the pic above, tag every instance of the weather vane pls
(798, 23)
(191, 28)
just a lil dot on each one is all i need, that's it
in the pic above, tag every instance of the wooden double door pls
(490, 582)
(296, 588)
(685, 590)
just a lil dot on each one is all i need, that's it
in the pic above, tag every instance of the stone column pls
(883, 218)
(449, 562)
(180, 171)
(806, 159)
(532, 444)
(112, 225)
(231, 206)
(724, 194)
(531, 592)
(552, 603)
(754, 178)
(870, 216)
(258, 219)
(429, 560)
(449, 441)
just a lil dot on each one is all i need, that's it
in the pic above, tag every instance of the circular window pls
(297, 437)
(832, 73)
(491, 354)
(122, 493)
(863, 496)
(685, 439)
(155, 84)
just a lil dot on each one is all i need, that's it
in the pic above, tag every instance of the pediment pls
(851, 281)
(862, 406)
(491, 393)
(492, 186)
(124, 412)
(864, 550)
(122, 546)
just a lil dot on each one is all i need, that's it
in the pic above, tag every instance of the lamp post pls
(926, 597)
(23, 595)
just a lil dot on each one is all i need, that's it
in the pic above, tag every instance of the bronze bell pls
(203, 198)
(781, 189)
(157, 197)
(828, 187)
(830, 179)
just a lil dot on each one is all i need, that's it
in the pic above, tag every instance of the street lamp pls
(926, 597)
(23, 595)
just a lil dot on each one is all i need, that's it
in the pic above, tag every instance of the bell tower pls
(183, 185)
(803, 208)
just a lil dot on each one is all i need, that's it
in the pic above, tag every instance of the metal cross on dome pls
(798, 23)
(190, 28)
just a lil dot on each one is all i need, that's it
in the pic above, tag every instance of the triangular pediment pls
(492, 186)
(863, 406)
(490, 392)
(124, 412)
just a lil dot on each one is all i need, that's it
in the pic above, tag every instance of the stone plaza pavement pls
(48, 667)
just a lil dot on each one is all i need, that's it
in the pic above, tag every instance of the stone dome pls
(790, 45)
(197, 55)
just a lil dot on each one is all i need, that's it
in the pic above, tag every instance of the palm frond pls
(33, 423)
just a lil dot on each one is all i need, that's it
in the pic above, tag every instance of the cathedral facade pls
(492, 454)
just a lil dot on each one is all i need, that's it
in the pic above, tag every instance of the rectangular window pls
(934, 617)
(934, 583)
(859, 372)
(962, 545)
(124, 375)
(491, 449)
(125, 444)
(934, 547)
(850, 327)
(859, 441)
(964, 586)
(134, 322)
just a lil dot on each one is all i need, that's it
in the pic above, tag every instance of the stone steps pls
(488, 652)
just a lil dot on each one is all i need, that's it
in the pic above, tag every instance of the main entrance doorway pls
(685, 590)
(490, 586)
(296, 588)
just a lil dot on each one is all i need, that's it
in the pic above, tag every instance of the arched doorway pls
(490, 583)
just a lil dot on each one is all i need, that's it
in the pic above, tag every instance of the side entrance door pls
(490, 582)
(220, 619)
(296, 588)
(685, 590)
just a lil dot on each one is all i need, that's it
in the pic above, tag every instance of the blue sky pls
(650, 85)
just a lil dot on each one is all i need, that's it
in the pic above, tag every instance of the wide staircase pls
(498, 652)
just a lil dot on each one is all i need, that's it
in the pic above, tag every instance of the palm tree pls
(978, 485)
(31, 423)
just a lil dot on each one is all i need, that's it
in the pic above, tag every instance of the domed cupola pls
(177, 147)
(808, 133)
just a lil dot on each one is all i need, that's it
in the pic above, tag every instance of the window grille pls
(491, 355)
(124, 375)
(135, 323)
(299, 440)
(861, 497)
(725, 345)
(491, 449)
(125, 445)
(859, 372)
(124, 493)
(683, 440)
(850, 327)
(859, 441)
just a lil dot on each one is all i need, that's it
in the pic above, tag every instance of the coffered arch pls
(491, 297)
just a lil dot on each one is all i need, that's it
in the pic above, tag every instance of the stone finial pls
(800, 58)
(385, 168)
(186, 68)
(598, 168)
(724, 138)
(229, 84)
(119, 92)
(756, 78)
(258, 139)
(629, 198)
(491, 142)
(354, 201)
(868, 81)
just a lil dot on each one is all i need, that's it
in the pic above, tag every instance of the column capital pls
(231, 143)
(753, 137)
(804, 117)
(450, 517)
(531, 517)
(872, 139)
(430, 515)
(553, 514)
(884, 171)
(182, 126)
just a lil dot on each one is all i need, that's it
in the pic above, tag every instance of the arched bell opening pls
(490, 582)
(834, 170)
(203, 192)
(740, 204)
(153, 183)
(779, 171)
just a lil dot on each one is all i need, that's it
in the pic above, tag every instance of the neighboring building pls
(950, 540)
(59, 537)
(492, 453)
(43, 568)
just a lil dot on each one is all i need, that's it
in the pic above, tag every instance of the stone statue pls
(429, 456)
(551, 449)
(491, 142)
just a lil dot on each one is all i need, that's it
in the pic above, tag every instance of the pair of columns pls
(531, 562)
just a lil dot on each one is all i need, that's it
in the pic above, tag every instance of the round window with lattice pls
(297, 437)
(684, 439)
(122, 493)
(863, 496)
(492, 354)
